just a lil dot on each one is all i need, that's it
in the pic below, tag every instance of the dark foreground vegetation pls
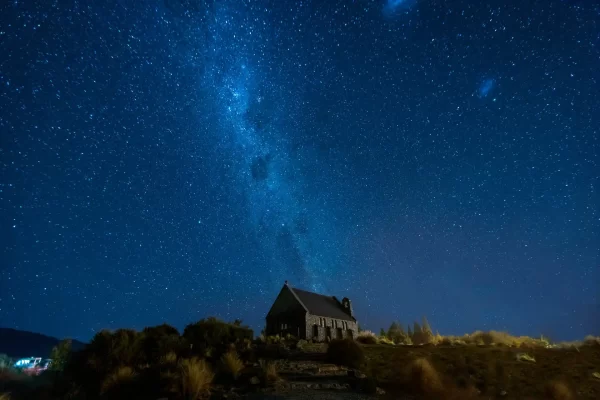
(216, 359)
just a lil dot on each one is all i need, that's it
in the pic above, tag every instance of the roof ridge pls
(296, 296)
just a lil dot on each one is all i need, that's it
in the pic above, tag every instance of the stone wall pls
(329, 329)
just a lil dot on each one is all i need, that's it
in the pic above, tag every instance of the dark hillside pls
(16, 343)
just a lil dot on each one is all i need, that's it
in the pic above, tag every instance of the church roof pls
(321, 305)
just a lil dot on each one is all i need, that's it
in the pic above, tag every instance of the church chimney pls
(347, 304)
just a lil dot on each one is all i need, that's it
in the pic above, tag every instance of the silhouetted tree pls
(60, 355)
(396, 333)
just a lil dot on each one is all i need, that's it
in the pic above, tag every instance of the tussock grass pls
(232, 364)
(195, 378)
(269, 371)
(424, 379)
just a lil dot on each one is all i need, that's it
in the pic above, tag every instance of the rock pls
(380, 391)
(254, 380)
(503, 393)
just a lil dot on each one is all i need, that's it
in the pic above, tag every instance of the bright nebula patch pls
(392, 8)
(486, 87)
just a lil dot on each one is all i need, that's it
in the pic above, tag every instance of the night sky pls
(168, 160)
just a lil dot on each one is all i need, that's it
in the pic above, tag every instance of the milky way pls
(253, 119)
(165, 161)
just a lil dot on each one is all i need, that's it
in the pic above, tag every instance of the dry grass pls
(488, 369)
(195, 378)
(494, 338)
(232, 363)
(424, 379)
(558, 391)
(118, 377)
(269, 371)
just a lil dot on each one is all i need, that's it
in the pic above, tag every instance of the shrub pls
(367, 337)
(107, 351)
(195, 378)
(558, 391)
(120, 376)
(301, 344)
(214, 336)
(60, 355)
(232, 363)
(345, 352)
(424, 379)
(157, 341)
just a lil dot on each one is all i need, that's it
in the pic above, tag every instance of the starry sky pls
(167, 160)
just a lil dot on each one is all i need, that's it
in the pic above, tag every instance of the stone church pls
(308, 315)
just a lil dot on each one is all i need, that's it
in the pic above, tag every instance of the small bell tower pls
(347, 304)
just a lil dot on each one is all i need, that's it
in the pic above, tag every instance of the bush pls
(195, 378)
(60, 355)
(301, 344)
(108, 351)
(158, 341)
(212, 337)
(424, 379)
(232, 363)
(367, 337)
(345, 352)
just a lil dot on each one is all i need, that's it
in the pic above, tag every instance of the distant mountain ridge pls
(16, 343)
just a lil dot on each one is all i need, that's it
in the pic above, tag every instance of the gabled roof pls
(321, 305)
